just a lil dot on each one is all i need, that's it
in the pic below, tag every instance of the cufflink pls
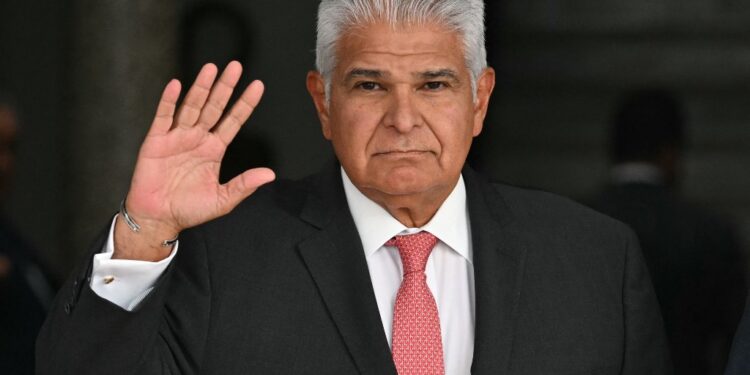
(108, 279)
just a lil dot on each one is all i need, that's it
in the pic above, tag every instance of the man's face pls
(402, 114)
(8, 129)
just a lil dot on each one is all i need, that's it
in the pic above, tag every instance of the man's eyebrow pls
(440, 73)
(366, 73)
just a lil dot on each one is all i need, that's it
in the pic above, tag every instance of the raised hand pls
(175, 184)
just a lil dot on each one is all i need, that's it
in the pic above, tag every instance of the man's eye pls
(368, 86)
(433, 86)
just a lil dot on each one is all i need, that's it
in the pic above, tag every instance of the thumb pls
(242, 186)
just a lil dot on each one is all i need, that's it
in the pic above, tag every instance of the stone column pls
(122, 54)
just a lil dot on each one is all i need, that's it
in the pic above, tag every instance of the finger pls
(219, 97)
(195, 99)
(240, 112)
(165, 110)
(245, 184)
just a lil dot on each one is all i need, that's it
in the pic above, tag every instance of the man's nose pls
(402, 113)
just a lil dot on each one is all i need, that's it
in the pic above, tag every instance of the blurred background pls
(83, 78)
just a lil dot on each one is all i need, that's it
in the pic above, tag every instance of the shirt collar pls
(376, 226)
(636, 172)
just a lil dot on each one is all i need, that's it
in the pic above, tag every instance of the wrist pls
(135, 227)
(142, 239)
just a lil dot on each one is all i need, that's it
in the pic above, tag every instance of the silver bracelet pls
(128, 220)
(169, 243)
(137, 228)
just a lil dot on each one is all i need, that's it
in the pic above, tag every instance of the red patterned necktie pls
(417, 344)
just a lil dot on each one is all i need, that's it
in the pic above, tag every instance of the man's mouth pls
(401, 152)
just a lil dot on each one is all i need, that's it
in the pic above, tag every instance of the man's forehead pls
(416, 42)
(384, 64)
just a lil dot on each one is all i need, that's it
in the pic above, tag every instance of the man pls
(694, 258)
(395, 258)
(25, 291)
(739, 358)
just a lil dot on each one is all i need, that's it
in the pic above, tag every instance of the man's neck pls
(376, 225)
(412, 210)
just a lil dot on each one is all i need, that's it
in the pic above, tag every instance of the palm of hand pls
(175, 182)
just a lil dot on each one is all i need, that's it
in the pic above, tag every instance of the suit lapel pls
(499, 257)
(336, 261)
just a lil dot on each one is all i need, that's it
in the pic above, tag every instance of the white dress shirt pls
(450, 273)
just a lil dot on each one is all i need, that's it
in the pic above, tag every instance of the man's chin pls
(406, 181)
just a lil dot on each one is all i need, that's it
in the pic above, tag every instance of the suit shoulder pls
(559, 232)
(555, 211)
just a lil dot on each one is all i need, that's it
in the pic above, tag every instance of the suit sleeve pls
(125, 282)
(166, 334)
(646, 349)
(739, 357)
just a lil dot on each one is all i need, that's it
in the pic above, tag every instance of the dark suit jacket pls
(696, 267)
(281, 286)
(739, 358)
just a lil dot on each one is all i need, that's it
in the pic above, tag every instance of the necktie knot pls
(414, 250)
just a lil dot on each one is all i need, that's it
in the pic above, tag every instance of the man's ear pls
(316, 86)
(485, 85)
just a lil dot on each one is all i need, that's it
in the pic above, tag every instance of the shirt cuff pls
(125, 282)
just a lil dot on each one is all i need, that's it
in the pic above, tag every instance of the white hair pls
(336, 17)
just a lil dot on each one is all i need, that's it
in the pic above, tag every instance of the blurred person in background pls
(25, 290)
(694, 257)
